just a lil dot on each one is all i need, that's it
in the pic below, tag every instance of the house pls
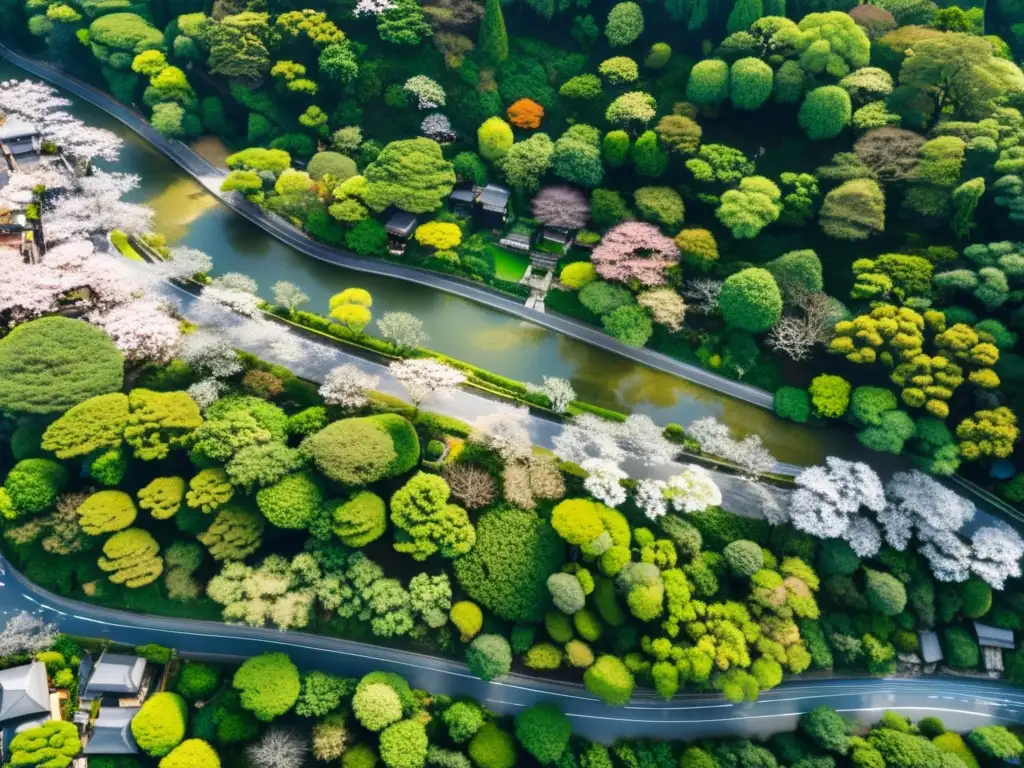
(488, 205)
(115, 674)
(18, 139)
(112, 733)
(993, 642)
(400, 226)
(24, 693)
(931, 651)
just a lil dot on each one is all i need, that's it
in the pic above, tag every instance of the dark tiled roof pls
(24, 691)
(401, 223)
(112, 733)
(115, 673)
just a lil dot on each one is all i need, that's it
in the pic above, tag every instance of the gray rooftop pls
(24, 691)
(931, 651)
(463, 195)
(13, 128)
(993, 637)
(494, 197)
(401, 223)
(112, 733)
(115, 673)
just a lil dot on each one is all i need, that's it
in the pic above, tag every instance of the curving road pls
(962, 704)
(211, 177)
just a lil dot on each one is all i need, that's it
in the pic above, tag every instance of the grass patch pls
(507, 265)
(120, 241)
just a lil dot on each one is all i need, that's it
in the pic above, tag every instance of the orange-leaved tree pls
(526, 113)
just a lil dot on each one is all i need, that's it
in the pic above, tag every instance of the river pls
(187, 215)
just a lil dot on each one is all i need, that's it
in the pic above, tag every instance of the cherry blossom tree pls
(402, 329)
(210, 355)
(184, 262)
(559, 392)
(562, 207)
(643, 440)
(289, 295)
(429, 93)
(917, 503)
(829, 498)
(749, 454)
(650, 498)
(142, 330)
(505, 433)
(604, 481)
(372, 7)
(94, 206)
(206, 392)
(635, 251)
(347, 385)
(997, 551)
(692, 490)
(235, 281)
(423, 378)
(25, 633)
(588, 436)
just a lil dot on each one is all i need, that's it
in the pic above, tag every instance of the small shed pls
(24, 692)
(931, 651)
(112, 733)
(515, 241)
(493, 202)
(116, 673)
(400, 226)
(462, 201)
(993, 637)
(19, 137)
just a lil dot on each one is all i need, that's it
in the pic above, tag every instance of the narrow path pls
(210, 178)
(962, 704)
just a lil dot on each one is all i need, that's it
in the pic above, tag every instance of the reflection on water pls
(490, 339)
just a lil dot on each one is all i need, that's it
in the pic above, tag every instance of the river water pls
(187, 215)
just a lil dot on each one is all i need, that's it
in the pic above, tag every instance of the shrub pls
(661, 205)
(53, 744)
(830, 395)
(338, 166)
(745, 558)
(196, 680)
(268, 684)
(360, 520)
(463, 719)
(491, 747)
(578, 274)
(609, 680)
(130, 557)
(543, 656)
(566, 592)
(625, 24)
(709, 83)
(291, 502)
(489, 657)
(977, 597)
(364, 450)
(376, 706)
(750, 300)
(954, 744)
(495, 138)
(467, 618)
(884, 592)
(825, 112)
(962, 651)
(997, 742)
(750, 83)
(163, 497)
(33, 485)
(192, 753)
(51, 364)
(544, 732)
(404, 745)
(629, 324)
(507, 569)
(792, 403)
(160, 724)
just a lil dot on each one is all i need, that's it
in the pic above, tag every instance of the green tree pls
(743, 14)
(51, 364)
(830, 395)
(709, 82)
(750, 83)
(625, 24)
(825, 112)
(752, 207)
(854, 210)
(826, 729)
(492, 747)
(411, 175)
(996, 741)
(493, 40)
(884, 592)
(610, 680)
(53, 744)
(543, 731)
(364, 450)
(160, 724)
(527, 161)
(360, 520)
(291, 502)
(192, 753)
(489, 656)
(750, 300)
(426, 523)
(268, 684)
(404, 23)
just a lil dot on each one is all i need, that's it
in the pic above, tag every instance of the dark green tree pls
(493, 40)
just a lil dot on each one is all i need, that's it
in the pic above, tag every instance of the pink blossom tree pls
(562, 207)
(635, 251)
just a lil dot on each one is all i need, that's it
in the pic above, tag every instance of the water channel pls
(187, 215)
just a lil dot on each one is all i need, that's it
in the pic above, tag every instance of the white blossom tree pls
(438, 127)
(863, 537)
(25, 633)
(692, 490)
(95, 206)
(604, 481)
(423, 378)
(206, 392)
(210, 355)
(143, 330)
(289, 295)
(702, 295)
(649, 498)
(714, 439)
(429, 93)
(235, 281)
(505, 433)
(644, 441)
(347, 385)
(558, 391)
(829, 498)
(997, 551)
(278, 748)
(372, 7)
(917, 503)
(184, 262)
(588, 436)
(402, 329)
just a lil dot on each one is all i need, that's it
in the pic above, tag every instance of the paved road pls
(961, 704)
(210, 177)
